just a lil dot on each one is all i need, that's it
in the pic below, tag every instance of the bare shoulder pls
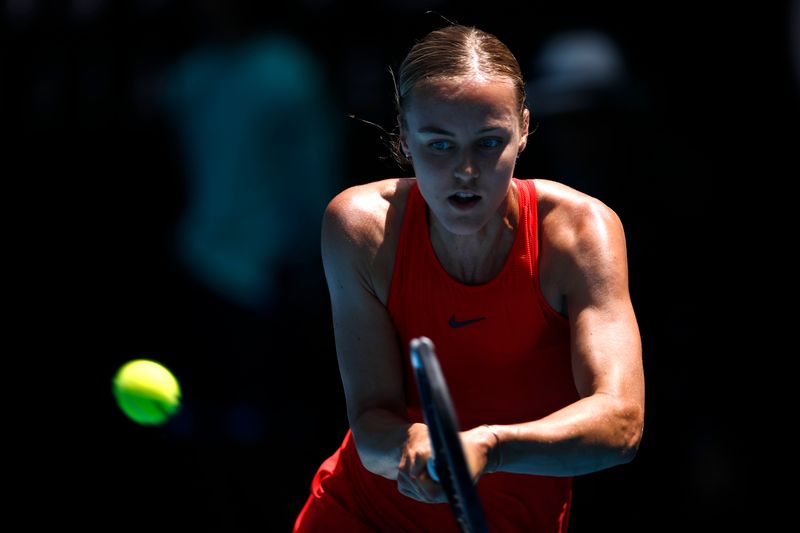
(582, 242)
(568, 216)
(361, 214)
(360, 231)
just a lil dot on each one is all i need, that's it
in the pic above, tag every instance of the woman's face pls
(463, 137)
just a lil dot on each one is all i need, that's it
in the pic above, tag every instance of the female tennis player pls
(521, 284)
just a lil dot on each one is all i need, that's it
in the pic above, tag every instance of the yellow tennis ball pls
(147, 392)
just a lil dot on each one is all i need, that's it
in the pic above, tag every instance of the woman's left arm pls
(604, 427)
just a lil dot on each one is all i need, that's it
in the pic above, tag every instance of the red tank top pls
(504, 352)
(505, 355)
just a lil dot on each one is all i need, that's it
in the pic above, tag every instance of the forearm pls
(597, 432)
(380, 435)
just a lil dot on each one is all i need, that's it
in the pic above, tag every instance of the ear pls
(402, 137)
(402, 133)
(523, 140)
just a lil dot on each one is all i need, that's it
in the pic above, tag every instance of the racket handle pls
(432, 470)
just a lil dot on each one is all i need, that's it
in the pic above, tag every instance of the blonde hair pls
(451, 53)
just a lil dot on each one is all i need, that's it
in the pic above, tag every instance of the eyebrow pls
(440, 131)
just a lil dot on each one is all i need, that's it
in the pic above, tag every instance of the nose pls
(467, 167)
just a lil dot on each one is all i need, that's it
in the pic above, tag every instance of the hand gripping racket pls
(448, 465)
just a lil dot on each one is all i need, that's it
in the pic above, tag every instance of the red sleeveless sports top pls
(504, 351)
(505, 354)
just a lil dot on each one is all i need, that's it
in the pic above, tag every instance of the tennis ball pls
(147, 392)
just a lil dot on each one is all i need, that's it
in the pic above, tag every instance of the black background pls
(94, 186)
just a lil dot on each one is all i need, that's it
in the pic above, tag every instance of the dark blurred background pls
(166, 166)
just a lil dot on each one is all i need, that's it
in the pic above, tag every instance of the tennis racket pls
(448, 465)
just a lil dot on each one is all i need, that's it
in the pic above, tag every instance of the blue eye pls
(440, 145)
(490, 143)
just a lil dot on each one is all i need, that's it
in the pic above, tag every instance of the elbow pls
(628, 453)
(364, 448)
(630, 433)
(378, 435)
(372, 461)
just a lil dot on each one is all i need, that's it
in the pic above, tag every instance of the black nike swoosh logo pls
(460, 324)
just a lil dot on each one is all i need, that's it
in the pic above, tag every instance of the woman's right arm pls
(353, 235)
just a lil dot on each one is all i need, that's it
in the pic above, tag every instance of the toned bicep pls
(366, 343)
(606, 346)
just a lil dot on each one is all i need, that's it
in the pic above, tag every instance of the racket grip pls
(432, 469)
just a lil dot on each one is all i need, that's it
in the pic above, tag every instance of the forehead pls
(482, 100)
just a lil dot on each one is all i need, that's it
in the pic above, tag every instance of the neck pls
(478, 258)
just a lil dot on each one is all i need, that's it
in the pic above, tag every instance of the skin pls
(464, 136)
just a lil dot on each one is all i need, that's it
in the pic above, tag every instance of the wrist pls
(494, 454)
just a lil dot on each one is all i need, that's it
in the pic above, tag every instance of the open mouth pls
(464, 199)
